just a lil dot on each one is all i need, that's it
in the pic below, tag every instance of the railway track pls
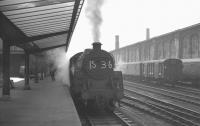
(189, 90)
(167, 112)
(161, 109)
(177, 87)
(106, 118)
(149, 99)
(176, 95)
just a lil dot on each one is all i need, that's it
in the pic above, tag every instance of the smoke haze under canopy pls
(60, 62)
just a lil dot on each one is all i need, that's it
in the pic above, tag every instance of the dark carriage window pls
(131, 54)
(174, 43)
(152, 51)
(137, 53)
(166, 49)
(186, 47)
(142, 52)
(195, 46)
(160, 50)
(147, 51)
(126, 55)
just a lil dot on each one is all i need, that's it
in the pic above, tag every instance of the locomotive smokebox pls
(97, 46)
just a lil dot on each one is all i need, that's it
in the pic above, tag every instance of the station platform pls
(48, 103)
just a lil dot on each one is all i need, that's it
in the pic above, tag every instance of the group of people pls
(41, 74)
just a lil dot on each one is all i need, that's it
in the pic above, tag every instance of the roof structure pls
(38, 25)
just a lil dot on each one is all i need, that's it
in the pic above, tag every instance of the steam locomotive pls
(93, 80)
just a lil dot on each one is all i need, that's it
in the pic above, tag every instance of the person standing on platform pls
(52, 74)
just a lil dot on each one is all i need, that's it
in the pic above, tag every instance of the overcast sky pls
(130, 18)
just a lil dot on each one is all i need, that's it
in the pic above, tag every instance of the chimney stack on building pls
(116, 42)
(147, 34)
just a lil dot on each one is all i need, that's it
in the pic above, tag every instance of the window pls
(174, 48)
(186, 48)
(195, 46)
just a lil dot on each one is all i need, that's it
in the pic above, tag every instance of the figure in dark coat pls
(52, 73)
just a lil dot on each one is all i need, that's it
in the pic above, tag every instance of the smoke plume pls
(60, 62)
(93, 12)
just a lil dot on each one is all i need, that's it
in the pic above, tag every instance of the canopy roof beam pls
(76, 7)
(8, 30)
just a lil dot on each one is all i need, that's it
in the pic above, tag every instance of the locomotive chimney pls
(97, 46)
(147, 34)
(116, 42)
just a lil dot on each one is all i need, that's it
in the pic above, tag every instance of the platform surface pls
(48, 103)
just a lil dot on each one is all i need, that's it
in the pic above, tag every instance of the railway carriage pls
(169, 70)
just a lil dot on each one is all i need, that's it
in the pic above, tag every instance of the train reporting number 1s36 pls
(102, 64)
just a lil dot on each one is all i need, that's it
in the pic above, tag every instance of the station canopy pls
(38, 25)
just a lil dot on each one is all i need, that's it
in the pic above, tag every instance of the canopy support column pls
(26, 85)
(6, 69)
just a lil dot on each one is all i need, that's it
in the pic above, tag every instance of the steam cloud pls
(61, 63)
(119, 66)
(93, 12)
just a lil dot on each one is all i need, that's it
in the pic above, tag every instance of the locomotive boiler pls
(93, 80)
